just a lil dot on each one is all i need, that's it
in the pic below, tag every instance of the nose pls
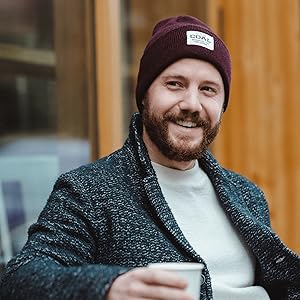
(191, 101)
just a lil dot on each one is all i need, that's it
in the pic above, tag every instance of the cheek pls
(162, 102)
(214, 112)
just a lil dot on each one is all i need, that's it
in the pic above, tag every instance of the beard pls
(181, 148)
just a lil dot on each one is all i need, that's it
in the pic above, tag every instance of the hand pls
(146, 283)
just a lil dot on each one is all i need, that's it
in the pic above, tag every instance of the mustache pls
(188, 116)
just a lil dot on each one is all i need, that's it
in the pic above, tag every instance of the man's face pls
(182, 110)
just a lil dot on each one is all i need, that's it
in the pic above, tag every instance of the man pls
(162, 197)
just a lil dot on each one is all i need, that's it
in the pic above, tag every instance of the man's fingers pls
(160, 277)
(148, 284)
(157, 292)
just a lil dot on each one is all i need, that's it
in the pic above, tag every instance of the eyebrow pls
(214, 83)
(175, 76)
(183, 78)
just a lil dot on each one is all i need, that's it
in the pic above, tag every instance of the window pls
(47, 123)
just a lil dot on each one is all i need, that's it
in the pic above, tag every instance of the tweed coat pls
(107, 217)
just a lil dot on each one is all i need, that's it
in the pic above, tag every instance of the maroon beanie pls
(181, 37)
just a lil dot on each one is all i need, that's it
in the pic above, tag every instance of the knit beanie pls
(181, 37)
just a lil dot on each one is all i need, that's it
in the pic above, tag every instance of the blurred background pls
(67, 77)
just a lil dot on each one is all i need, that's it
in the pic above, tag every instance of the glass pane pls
(27, 23)
(43, 126)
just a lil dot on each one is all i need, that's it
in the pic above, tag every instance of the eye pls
(209, 90)
(173, 84)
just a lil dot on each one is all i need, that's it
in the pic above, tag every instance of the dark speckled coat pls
(109, 216)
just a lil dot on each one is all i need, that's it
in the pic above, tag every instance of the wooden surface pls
(108, 76)
(260, 133)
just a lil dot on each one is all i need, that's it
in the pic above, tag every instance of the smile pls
(186, 124)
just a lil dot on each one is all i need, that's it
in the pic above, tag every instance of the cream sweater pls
(205, 225)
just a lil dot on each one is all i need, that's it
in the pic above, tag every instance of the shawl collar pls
(263, 242)
(153, 190)
(273, 256)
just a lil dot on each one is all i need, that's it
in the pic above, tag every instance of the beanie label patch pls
(199, 38)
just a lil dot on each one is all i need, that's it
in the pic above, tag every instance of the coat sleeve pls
(59, 259)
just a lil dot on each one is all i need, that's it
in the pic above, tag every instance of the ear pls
(145, 98)
(143, 101)
(221, 114)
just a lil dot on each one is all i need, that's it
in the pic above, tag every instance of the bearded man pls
(162, 197)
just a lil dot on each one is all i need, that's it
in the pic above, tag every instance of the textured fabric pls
(181, 37)
(109, 216)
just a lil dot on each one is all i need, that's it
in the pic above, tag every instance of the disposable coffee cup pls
(191, 272)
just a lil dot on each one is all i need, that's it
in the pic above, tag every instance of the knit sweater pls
(109, 216)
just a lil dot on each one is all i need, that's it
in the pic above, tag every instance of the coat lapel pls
(273, 256)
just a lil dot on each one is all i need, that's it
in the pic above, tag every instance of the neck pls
(159, 158)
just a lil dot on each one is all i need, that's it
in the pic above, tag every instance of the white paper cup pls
(191, 272)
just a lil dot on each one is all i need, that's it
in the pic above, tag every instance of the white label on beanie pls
(199, 38)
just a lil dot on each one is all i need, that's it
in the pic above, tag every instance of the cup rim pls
(177, 266)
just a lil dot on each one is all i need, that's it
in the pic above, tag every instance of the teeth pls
(186, 124)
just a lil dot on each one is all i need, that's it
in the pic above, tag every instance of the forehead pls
(194, 68)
